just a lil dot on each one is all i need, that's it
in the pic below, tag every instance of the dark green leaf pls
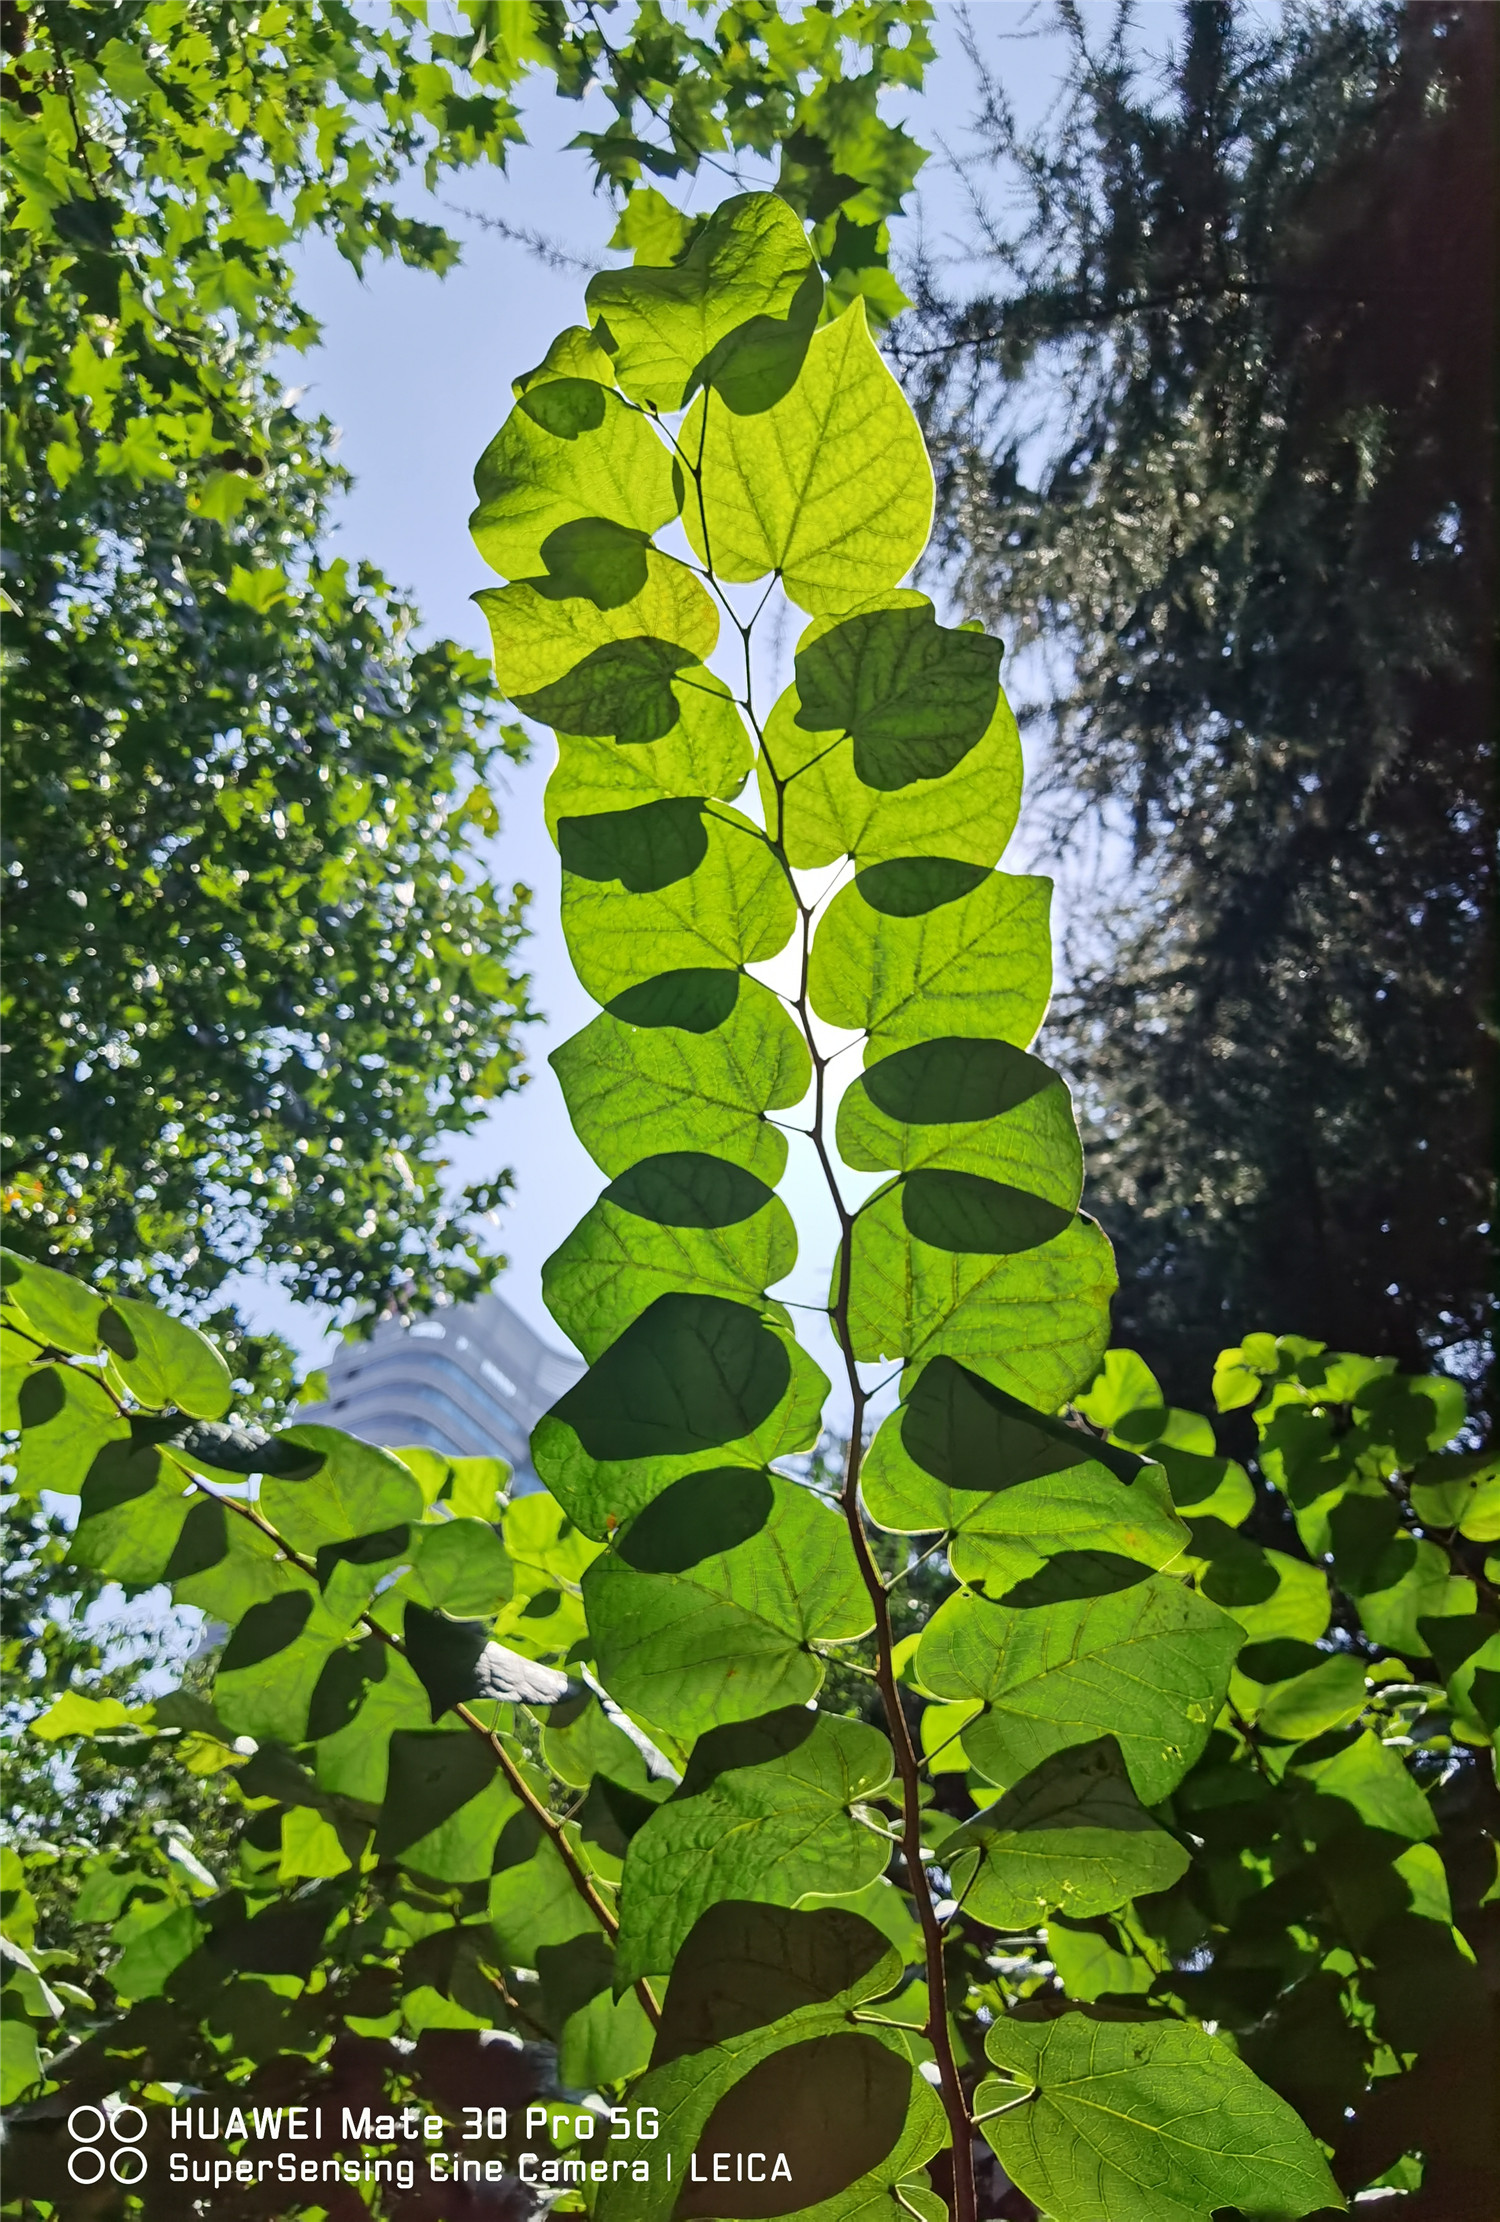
(365, 1695)
(444, 1654)
(977, 1107)
(745, 1965)
(1071, 1835)
(445, 1804)
(763, 1813)
(913, 697)
(693, 1378)
(632, 693)
(752, 1982)
(272, 1665)
(833, 2106)
(965, 1213)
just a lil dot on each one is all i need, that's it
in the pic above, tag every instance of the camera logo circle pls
(89, 2127)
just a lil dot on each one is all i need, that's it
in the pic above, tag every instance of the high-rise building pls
(469, 1380)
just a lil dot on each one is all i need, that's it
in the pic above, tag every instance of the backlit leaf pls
(1096, 1529)
(1148, 1665)
(1072, 1835)
(356, 1490)
(1145, 2121)
(460, 1567)
(569, 451)
(1326, 1696)
(736, 311)
(1124, 1385)
(164, 1361)
(705, 750)
(63, 1311)
(1012, 1485)
(924, 946)
(707, 1608)
(763, 1813)
(830, 486)
(669, 886)
(542, 632)
(1370, 1778)
(1413, 1583)
(679, 1220)
(981, 1107)
(1462, 1491)
(1032, 1316)
(67, 1419)
(827, 811)
(690, 1061)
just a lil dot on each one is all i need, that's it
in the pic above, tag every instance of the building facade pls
(469, 1380)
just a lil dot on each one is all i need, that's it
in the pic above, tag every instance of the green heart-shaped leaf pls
(1145, 2121)
(707, 1609)
(1148, 1665)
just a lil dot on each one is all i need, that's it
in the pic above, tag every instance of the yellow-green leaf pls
(830, 487)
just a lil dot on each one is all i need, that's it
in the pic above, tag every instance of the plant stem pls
(938, 2035)
(908, 1768)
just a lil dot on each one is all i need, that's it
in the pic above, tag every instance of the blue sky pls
(416, 371)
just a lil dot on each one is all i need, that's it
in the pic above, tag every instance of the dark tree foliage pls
(1221, 434)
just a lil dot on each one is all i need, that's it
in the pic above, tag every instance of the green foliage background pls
(1141, 1853)
(1027, 1764)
